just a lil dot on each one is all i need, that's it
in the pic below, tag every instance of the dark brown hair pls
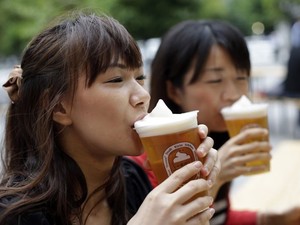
(190, 41)
(37, 173)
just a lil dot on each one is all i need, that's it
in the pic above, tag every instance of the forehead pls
(218, 56)
(218, 59)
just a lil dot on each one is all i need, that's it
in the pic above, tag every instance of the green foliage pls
(265, 11)
(150, 18)
(213, 9)
(20, 20)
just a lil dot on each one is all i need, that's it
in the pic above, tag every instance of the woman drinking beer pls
(205, 65)
(74, 101)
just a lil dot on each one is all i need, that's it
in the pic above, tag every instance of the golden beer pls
(169, 152)
(238, 125)
(170, 140)
(248, 116)
(235, 126)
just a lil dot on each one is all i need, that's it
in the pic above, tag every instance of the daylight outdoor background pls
(266, 25)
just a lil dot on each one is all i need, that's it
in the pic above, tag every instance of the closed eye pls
(141, 77)
(242, 78)
(213, 81)
(115, 80)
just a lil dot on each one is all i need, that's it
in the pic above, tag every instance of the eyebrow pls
(214, 69)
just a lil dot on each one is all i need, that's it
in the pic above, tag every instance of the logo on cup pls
(178, 155)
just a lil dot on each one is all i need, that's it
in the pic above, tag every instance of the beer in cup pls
(244, 114)
(170, 140)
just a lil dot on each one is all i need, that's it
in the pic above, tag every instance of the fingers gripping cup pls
(244, 114)
(170, 140)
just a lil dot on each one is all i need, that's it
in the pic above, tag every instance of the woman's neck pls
(96, 208)
(94, 212)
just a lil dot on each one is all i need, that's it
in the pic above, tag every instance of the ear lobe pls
(174, 93)
(61, 115)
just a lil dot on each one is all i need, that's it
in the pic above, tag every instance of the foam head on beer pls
(244, 108)
(244, 114)
(169, 139)
(162, 121)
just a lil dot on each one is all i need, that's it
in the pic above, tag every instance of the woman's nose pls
(140, 96)
(231, 92)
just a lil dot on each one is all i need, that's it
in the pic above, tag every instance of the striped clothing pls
(224, 215)
(221, 206)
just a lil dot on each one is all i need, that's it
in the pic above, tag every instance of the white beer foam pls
(244, 108)
(162, 121)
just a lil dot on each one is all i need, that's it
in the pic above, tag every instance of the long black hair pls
(191, 41)
(37, 174)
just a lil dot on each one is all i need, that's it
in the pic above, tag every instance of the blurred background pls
(266, 25)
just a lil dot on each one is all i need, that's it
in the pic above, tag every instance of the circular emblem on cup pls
(178, 155)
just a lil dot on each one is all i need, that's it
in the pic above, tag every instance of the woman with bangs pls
(74, 100)
(205, 65)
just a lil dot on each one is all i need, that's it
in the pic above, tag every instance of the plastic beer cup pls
(244, 114)
(170, 140)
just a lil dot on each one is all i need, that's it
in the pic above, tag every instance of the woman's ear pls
(174, 93)
(61, 114)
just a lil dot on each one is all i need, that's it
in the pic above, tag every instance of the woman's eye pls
(115, 80)
(242, 78)
(141, 77)
(214, 81)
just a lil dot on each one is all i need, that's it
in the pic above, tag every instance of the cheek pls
(198, 98)
(207, 101)
(88, 114)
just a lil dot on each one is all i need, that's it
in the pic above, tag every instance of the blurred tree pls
(213, 9)
(245, 13)
(20, 20)
(151, 18)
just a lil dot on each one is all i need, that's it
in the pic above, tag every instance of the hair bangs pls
(113, 44)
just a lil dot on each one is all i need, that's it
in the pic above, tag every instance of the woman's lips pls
(139, 118)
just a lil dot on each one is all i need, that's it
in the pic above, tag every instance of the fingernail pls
(211, 201)
(201, 150)
(201, 128)
(211, 211)
(205, 171)
(210, 183)
(198, 164)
